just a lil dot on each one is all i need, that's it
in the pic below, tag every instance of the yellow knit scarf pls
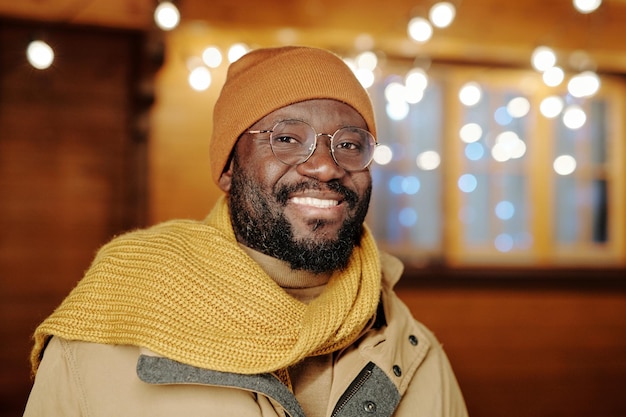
(186, 290)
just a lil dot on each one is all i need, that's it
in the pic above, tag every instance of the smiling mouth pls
(314, 202)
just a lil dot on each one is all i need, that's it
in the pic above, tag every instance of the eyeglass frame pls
(317, 135)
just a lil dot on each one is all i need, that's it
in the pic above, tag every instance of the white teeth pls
(315, 202)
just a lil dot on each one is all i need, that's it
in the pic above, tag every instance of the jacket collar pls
(159, 370)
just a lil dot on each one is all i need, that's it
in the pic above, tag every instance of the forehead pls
(320, 113)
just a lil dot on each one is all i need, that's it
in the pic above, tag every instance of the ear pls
(227, 177)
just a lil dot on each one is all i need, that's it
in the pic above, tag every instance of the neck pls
(302, 285)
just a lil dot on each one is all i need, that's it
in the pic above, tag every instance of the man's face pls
(309, 215)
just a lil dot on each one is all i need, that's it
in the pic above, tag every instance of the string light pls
(39, 54)
(585, 84)
(236, 51)
(212, 57)
(564, 164)
(166, 15)
(553, 76)
(574, 117)
(363, 67)
(543, 58)
(200, 78)
(442, 14)
(420, 30)
(586, 6)
(470, 94)
(383, 155)
(551, 106)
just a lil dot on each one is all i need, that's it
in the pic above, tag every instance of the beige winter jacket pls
(396, 368)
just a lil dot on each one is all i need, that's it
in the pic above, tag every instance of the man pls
(279, 302)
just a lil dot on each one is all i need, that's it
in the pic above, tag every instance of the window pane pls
(494, 211)
(406, 214)
(580, 209)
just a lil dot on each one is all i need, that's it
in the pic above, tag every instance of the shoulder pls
(391, 269)
(83, 378)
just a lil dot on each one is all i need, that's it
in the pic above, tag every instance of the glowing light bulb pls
(470, 94)
(367, 60)
(416, 79)
(394, 91)
(543, 58)
(586, 6)
(366, 77)
(551, 106)
(585, 84)
(236, 51)
(553, 76)
(415, 83)
(564, 164)
(420, 29)
(212, 57)
(471, 132)
(518, 107)
(442, 14)
(200, 78)
(574, 117)
(383, 155)
(166, 15)
(40, 54)
(397, 110)
(428, 160)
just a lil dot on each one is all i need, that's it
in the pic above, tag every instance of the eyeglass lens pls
(293, 142)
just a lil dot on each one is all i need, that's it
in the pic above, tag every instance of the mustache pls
(282, 192)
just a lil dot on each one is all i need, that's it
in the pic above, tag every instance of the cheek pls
(362, 182)
(259, 163)
(267, 173)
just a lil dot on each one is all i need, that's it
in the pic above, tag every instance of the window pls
(483, 174)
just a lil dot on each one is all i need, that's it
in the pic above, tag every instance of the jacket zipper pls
(353, 388)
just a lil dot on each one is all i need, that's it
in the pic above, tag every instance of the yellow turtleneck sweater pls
(312, 378)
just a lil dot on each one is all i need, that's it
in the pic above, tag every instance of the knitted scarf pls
(185, 290)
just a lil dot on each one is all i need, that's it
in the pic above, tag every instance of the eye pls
(352, 140)
(349, 145)
(287, 139)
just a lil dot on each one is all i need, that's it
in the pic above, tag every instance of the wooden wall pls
(542, 343)
(72, 174)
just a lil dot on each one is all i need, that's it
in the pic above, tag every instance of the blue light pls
(411, 185)
(395, 184)
(502, 116)
(505, 210)
(407, 217)
(504, 242)
(474, 151)
(467, 183)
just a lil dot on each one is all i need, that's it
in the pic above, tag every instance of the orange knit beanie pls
(267, 79)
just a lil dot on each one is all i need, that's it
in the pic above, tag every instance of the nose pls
(321, 164)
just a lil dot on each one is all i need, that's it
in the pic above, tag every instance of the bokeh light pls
(470, 94)
(166, 16)
(428, 160)
(471, 132)
(383, 155)
(543, 58)
(551, 106)
(564, 164)
(39, 54)
(420, 29)
(467, 183)
(442, 14)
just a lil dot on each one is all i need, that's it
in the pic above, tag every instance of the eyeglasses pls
(294, 141)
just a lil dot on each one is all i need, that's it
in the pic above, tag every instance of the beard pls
(268, 231)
